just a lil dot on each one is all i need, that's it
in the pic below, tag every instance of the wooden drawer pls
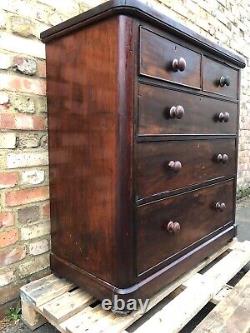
(155, 173)
(196, 214)
(219, 78)
(156, 59)
(159, 114)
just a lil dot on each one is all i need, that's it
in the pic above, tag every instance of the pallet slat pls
(47, 292)
(34, 285)
(67, 305)
(223, 293)
(175, 315)
(85, 320)
(232, 314)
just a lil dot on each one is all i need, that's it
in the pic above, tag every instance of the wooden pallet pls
(72, 310)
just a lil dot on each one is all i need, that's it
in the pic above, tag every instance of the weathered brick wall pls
(24, 209)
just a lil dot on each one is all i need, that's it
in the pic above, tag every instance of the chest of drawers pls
(143, 131)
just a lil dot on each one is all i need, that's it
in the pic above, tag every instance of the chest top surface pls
(139, 10)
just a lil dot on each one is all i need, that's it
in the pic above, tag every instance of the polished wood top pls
(136, 8)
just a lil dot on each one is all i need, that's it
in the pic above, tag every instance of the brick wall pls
(24, 209)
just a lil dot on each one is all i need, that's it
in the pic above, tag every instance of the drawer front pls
(193, 216)
(220, 79)
(163, 111)
(163, 59)
(169, 165)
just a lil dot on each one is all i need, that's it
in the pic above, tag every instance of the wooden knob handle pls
(223, 117)
(220, 206)
(175, 165)
(173, 227)
(176, 112)
(226, 117)
(222, 158)
(219, 158)
(224, 81)
(179, 64)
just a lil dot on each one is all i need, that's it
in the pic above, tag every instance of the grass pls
(14, 314)
(243, 192)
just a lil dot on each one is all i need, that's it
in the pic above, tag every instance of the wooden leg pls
(30, 316)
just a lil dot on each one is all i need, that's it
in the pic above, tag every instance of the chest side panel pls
(83, 143)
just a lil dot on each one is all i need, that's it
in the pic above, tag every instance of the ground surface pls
(243, 220)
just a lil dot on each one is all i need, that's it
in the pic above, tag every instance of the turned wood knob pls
(179, 64)
(224, 81)
(173, 227)
(176, 112)
(223, 117)
(222, 158)
(220, 205)
(175, 165)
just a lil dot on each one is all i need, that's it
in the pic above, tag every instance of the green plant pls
(14, 314)
(243, 192)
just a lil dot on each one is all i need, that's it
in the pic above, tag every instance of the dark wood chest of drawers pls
(143, 131)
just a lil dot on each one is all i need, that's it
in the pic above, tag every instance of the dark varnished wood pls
(201, 114)
(148, 284)
(137, 9)
(196, 211)
(156, 60)
(198, 160)
(87, 156)
(99, 110)
(213, 72)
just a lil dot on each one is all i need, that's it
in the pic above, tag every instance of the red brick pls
(10, 292)
(23, 84)
(6, 219)
(22, 122)
(8, 257)
(8, 237)
(46, 211)
(8, 179)
(21, 197)
(41, 68)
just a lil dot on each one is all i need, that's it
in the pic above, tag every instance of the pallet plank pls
(47, 292)
(32, 286)
(85, 320)
(223, 293)
(67, 305)
(230, 311)
(175, 315)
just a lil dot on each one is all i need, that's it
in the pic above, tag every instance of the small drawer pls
(168, 226)
(169, 165)
(219, 78)
(163, 111)
(163, 59)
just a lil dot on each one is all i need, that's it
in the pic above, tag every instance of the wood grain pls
(157, 54)
(201, 115)
(212, 71)
(197, 157)
(86, 152)
(195, 212)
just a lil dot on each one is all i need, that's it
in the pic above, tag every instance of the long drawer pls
(168, 226)
(168, 165)
(163, 111)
